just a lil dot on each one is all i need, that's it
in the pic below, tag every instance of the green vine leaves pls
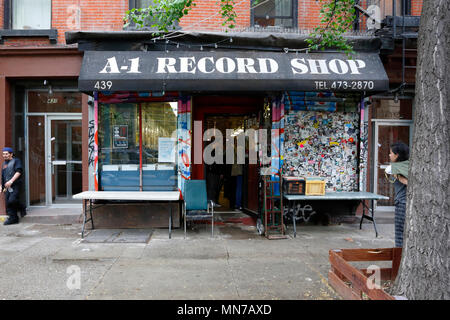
(165, 14)
(336, 18)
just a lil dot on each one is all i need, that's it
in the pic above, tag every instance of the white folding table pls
(169, 196)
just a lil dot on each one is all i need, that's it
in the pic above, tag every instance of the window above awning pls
(231, 71)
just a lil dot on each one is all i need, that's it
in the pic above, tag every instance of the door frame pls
(47, 132)
(48, 149)
(377, 124)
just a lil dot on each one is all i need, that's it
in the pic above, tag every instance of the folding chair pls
(196, 205)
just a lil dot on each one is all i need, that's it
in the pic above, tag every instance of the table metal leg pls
(184, 218)
(90, 210)
(170, 222)
(363, 214)
(294, 218)
(84, 218)
(373, 218)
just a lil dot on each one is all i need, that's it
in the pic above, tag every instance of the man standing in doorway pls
(12, 171)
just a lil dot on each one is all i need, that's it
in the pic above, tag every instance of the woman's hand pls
(402, 179)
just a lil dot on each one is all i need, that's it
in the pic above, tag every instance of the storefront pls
(151, 108)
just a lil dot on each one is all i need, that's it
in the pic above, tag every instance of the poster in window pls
(166, 150)
(120, 137)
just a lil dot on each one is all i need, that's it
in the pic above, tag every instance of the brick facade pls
(72, 15)
(87, 15)
(2, 13)
(206, 16)
(107, 15)
(416, 7)
(34, 58)
(308, 14)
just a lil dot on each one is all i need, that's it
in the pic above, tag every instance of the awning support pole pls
(141, 187)
(96, 140)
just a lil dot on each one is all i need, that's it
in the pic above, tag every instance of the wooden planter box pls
(352, 283)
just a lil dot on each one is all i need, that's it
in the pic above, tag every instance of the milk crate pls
(293, 185)
(315, 187)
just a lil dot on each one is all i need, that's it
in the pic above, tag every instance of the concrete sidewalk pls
(51, 215)
(48, 261)
(73, 215)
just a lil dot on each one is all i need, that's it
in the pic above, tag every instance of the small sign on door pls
(120, 136)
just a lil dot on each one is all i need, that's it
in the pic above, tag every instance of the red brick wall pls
(416, 7)
(2, 11)
(106, 15)
(206, 16)
(87, 15)
(308, 14)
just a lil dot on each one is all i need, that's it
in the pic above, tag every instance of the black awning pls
(230, 71)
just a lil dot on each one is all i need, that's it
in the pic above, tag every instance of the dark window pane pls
(42, 101)
(278, 13)
(119, 135)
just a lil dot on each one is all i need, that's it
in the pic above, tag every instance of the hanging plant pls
(337, 17)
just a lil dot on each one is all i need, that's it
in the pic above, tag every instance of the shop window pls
(274, 13)
(29, 14)
(42, 101)
(159, 121)
(391, 109)
(120, 133)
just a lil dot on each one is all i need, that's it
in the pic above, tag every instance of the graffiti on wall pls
(184, 134)
(91, 143)
(363, 153)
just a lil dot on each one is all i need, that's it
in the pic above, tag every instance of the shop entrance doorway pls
(239, 186)
(233, 185)
(53, 164)
(54, 159)
(387, 132)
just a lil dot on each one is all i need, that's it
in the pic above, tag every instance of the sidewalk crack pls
(101, 278)
(231, 272)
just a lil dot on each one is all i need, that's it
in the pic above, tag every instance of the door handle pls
(59, 162)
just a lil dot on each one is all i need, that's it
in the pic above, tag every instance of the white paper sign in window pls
(166, 150)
